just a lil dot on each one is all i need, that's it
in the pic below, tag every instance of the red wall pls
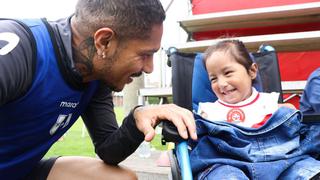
(258, 31)
(293, 65)
(209, 6)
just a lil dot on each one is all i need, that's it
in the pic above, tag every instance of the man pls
(53, 72)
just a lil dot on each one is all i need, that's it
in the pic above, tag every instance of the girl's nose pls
(222, 82)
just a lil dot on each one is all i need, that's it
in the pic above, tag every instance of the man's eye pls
(146, 56)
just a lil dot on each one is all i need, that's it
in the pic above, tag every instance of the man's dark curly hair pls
(129, 19)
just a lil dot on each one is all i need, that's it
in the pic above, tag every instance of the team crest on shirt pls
(62, 121)
(235, 116)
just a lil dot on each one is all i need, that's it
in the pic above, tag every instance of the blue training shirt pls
(26, 133)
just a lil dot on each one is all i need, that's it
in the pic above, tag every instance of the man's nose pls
(148, 65)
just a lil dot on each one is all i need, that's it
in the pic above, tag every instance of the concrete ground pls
(149, 168)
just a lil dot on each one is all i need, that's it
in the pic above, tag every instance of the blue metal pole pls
(184, 160)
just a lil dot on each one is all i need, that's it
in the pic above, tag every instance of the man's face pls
(128, 60)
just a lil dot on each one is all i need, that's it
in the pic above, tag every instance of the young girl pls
(251, 149)
(231, 72)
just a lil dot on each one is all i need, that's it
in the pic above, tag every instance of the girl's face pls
(230, 80)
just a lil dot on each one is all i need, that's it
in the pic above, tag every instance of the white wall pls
(50, 9)
(173, 34)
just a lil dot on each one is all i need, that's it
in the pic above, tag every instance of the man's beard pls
(115, 89)
(109, 61)
(109, 65)
(138, 74)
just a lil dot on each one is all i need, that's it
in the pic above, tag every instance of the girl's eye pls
(228, 73)
(213, 79)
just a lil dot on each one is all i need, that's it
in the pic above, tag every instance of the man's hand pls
(148, 117)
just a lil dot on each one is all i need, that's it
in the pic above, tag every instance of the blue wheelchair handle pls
(184, 161)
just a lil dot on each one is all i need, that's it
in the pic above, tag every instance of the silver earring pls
(103, 55)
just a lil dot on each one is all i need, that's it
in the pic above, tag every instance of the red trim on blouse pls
(235, 106)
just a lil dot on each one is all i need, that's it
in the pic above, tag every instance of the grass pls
(74, 142)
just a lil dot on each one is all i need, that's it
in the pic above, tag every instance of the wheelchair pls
(188, 68)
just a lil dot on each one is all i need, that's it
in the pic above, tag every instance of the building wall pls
(294, 66)
(173, 34)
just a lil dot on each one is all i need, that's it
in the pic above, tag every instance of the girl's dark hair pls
(235, 48)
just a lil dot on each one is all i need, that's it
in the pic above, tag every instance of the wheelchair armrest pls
(170, 133)
(311, 118)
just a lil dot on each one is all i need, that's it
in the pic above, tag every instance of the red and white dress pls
(252, 112)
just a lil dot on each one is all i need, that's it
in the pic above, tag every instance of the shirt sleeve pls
(310, 100)
(200, 108)
(204, 110)
(16, 61)
(273, 101)
(112, 143)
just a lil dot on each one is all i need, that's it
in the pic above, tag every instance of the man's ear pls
(253, 70)
(102, 38)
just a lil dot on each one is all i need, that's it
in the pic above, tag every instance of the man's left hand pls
(148, 117)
